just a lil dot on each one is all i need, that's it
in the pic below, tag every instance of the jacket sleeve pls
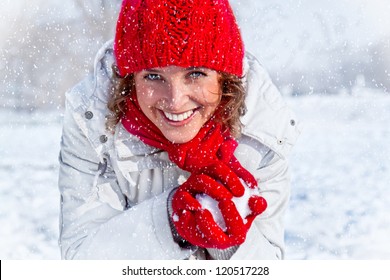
(94, 220)
(265, 239)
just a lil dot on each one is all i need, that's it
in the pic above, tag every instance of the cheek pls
(145, 96)
(212, 95)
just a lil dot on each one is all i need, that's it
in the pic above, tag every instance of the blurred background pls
(330, 60)
(307, 46)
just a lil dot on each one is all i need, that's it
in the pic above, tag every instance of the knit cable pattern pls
(195, 33)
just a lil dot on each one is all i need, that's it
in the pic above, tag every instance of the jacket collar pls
(268, 118)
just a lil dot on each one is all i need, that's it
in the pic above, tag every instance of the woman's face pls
(179, 101)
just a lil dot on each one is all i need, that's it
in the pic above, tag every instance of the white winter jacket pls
(114, 187)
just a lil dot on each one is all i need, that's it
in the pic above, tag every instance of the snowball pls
(211, 204)
(241, 204)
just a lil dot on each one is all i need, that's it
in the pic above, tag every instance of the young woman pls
(176, 147)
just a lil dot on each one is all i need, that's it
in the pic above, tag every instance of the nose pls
(178, 95)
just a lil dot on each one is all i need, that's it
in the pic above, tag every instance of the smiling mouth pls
(178, 117)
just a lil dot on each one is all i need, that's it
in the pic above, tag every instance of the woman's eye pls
(197, 74)
(152, 77)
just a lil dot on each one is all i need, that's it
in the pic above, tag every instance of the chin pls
(180, 139)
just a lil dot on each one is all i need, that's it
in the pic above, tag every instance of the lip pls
(178, 119)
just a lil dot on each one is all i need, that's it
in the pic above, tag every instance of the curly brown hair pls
(229, 112)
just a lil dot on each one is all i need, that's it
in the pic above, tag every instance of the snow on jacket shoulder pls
(114, 187)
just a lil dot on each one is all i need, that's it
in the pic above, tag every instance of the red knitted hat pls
(185, 33)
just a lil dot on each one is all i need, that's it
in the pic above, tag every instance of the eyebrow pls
(153, 70)
(195, 68)
(186, 69)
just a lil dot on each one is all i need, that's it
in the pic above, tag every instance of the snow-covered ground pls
(340, 190)
(29, 198)
(340, 201)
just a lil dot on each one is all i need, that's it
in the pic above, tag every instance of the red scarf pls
(212, 145)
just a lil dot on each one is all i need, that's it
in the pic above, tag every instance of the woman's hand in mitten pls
(236, 226)
(249, 206)
(220, 172)
(194, 223)
(199, 228)
(197, 225)
(233, 218)
(257, 204)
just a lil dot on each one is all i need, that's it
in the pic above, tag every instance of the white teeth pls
(178, 117)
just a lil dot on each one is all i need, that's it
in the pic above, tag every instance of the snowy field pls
(340, 193)
(340, 201)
